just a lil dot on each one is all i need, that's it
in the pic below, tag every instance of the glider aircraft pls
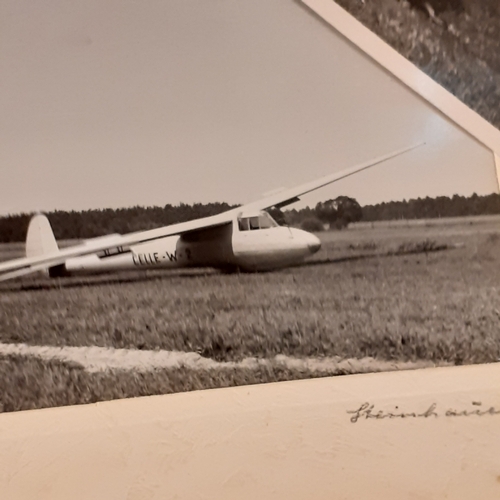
(245, 239)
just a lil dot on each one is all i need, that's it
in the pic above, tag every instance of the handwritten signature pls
(367, 411)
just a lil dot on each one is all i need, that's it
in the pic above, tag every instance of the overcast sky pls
(120, 103)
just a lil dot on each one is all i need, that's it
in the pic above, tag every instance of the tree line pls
(336, 214)
(430, 208)
(93, 223)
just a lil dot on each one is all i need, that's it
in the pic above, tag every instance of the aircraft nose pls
(313, 243)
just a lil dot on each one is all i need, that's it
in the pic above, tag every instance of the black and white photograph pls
(208, 194)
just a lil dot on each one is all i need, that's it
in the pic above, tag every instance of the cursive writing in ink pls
(367, 411)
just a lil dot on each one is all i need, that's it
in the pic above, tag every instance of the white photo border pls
(413, 77)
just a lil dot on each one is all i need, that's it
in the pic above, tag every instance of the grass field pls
(408, 293)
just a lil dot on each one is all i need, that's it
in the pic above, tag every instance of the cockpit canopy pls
(259, 220)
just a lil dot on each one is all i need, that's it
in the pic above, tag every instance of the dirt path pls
(98, 359)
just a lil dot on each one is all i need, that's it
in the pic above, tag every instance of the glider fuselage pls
(248, 243)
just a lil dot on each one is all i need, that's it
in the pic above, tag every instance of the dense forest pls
(427, 208)
(336, 213)
(92, 223)
(420, 208)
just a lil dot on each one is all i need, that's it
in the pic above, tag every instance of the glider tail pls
(40, 239)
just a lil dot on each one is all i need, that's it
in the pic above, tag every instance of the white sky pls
(126, 102)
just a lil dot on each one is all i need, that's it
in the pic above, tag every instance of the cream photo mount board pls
(426, 434)
(436, 95)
